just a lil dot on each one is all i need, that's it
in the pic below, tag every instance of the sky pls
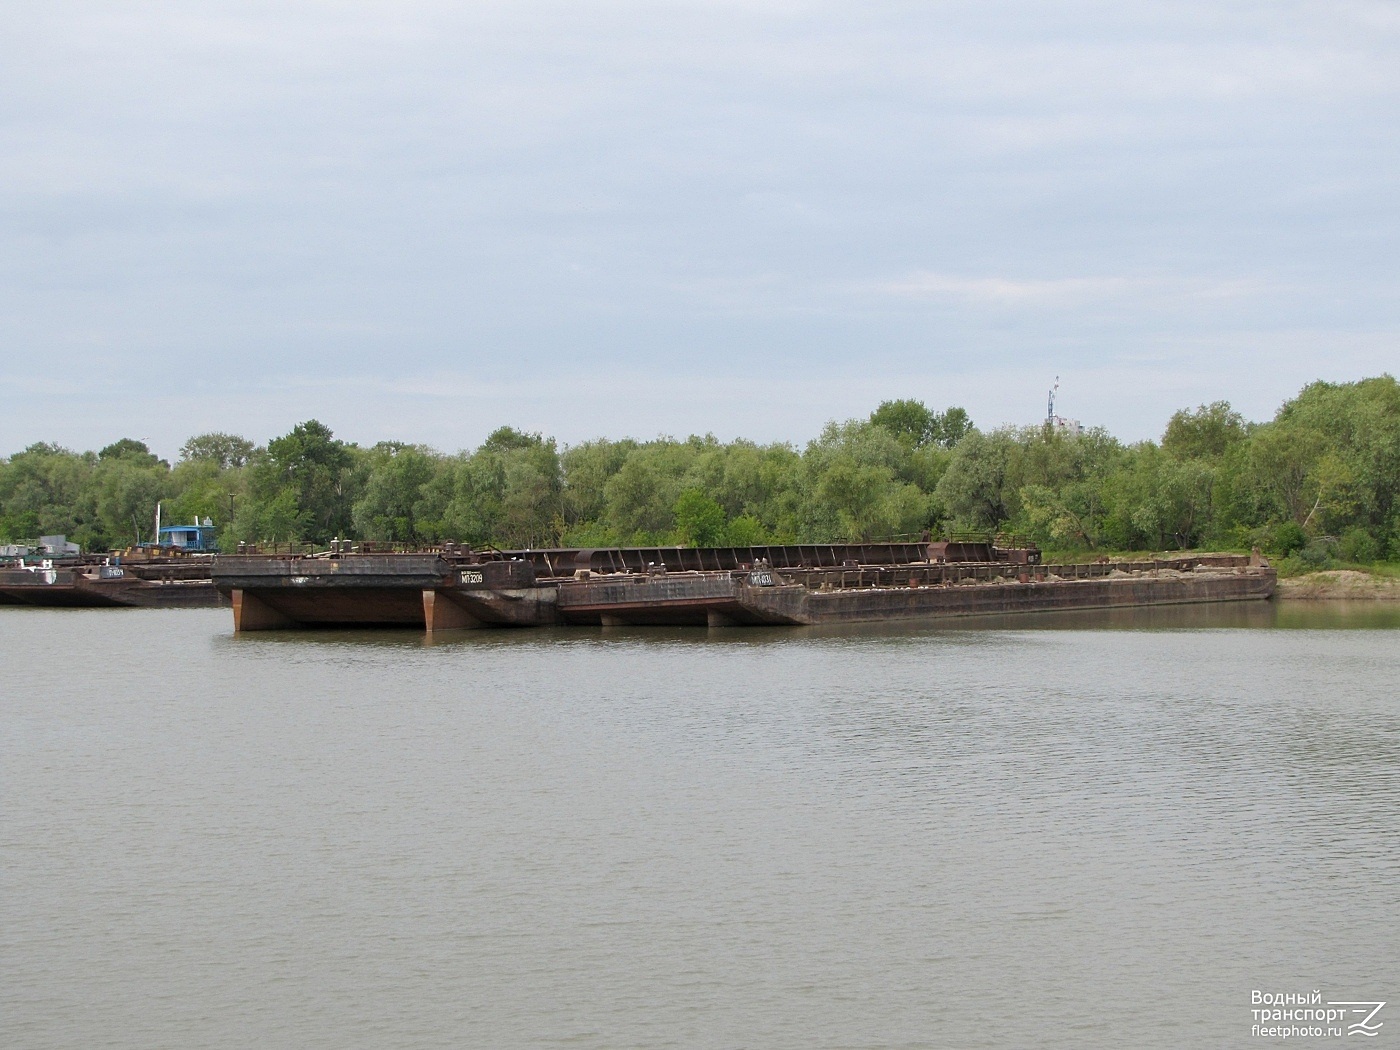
(419, 221)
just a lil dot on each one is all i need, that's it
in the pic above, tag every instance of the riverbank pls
(1334, 584)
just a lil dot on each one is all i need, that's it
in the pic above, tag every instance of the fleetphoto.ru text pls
(1305, 1015)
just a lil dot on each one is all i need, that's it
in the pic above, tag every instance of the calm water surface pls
(1101, 832)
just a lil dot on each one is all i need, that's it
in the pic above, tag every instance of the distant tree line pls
(1318, 481)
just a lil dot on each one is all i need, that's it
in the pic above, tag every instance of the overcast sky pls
(420, 221)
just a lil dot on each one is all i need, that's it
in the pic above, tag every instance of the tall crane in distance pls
(1070, 427)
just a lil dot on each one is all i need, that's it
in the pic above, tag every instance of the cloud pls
(1061, 292)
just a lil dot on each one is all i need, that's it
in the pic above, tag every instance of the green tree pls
(641, 497)
(979, 487)
(127, 490)
(391, 505)
(910, 421)
(952, 426)
(585, 471)
(1206, 433)
(474, 489)
(1346, 439)
(856, 485)
(1284, 461)
(700, 520)
(226, 451)
(915, 424)
(316, 472)
(508, 493)
(47, 490)
(532, 507)
(745, 531)
(129, 450)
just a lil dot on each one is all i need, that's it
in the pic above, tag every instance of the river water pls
(1090, 831)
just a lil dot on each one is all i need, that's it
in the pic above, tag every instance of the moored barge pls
(96, 585)
(453, 587)
(55, 573)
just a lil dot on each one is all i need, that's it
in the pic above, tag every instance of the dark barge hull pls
(677, 602)
(75, 589)
(985, 599)
(439, 591)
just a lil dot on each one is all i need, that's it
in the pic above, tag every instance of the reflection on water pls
(970, 833)
(1336, 614)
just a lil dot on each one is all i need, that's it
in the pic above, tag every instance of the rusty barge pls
(94, 583)
(454, 588)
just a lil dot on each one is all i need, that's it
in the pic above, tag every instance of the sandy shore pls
(1340, 583)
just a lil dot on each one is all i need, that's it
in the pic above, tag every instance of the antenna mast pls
(1050, 403)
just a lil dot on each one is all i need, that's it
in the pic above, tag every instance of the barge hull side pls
(1051, 596)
